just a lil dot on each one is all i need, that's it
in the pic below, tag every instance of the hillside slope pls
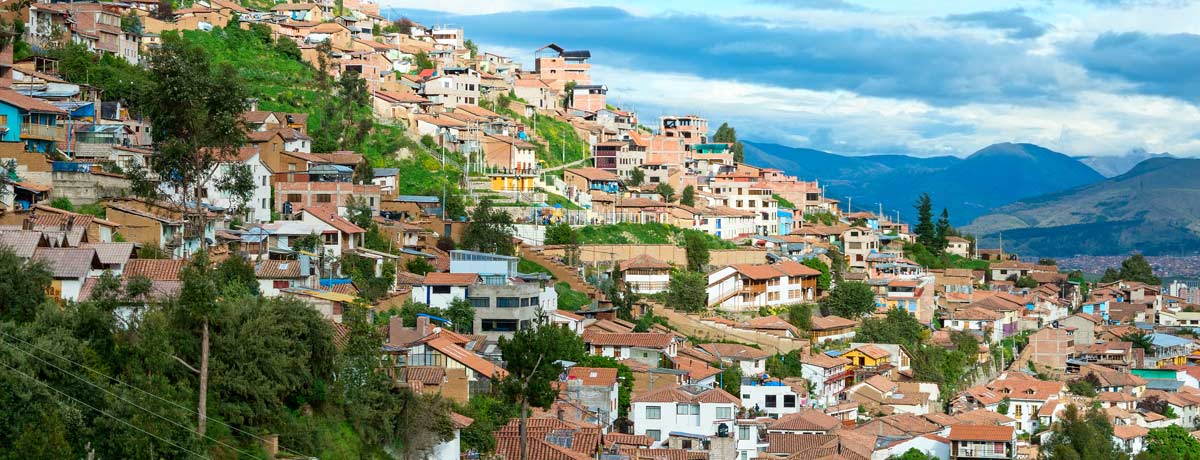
(994, 176)
(1154, 208)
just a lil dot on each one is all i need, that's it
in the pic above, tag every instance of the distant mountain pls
(1154, 208)
(968, 187)
(1112, 166)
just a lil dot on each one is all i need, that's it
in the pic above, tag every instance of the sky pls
(918, 77)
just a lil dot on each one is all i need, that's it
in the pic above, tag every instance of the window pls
(685, 444)
(281, 284)
(745, 396)
(789, 400)
(724, 412)
(743, 433)
(687, 409)
(441, 289)
(616, 352)
(324, 198)
(499, 325)
(330, 238)
(653, 412)
(478, 302)
(293, 198)
(264, 181)
(508, 302)
(656, 435)
(771, 401)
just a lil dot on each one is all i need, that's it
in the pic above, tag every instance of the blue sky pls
(1085, 77)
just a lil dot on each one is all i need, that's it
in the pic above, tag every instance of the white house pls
(597, 389)
(690, 409)
(979, 320)
(828, 376)
(773, 397)
(751, 286)
(69, 269)
(274, 275)
(646, 275)
(1130, 438)
(452, 449)
(258, 207)
(752, 360)
(337, 233)
(438, 290)
(932, 445)
(648, 348)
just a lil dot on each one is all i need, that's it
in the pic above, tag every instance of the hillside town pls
(547, 275)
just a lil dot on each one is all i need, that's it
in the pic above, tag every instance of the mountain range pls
(1153, 208)
(1115, 165)
(969, 187)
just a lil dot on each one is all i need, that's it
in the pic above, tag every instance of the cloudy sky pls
(1084, 77)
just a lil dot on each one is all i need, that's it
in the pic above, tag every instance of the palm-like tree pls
(1139, 340)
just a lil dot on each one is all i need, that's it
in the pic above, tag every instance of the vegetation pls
(419, 266)
(628, 233)
(686, 291)
(1134, 268)
(688, 196)
(823, 218)
(800, 315)
(852, 299)
(731, 379)
(926, 258)
(697, 252)
(1081, 436)
(824, 280)
(490, 230)
(557, 141)
(1172, 442)
(532, 360)
(931, 363)
(570, 299)
(727, 134)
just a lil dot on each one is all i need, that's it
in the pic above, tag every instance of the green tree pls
(926, 232)
(1049, 261)
(490, 230)
(686, 291)
(1110, 275)
(470, 45)
(944, 231)
(624, 376)
(731, 379)
(800, 315)
(697, 252)
(897, 326)
(359, 212)
(1139, 340)
(688, 196)
(561, 233)
(418, 266)
(1026, 282)
(727, 134)
(1137, 268)
(1081, 436)
(1172, 442)
(568, 97)
(532, 359)
(24, 288)
(197, 106)
(824, 280)
(636, 177)
(422, 61)
(237, 273)
(461, 314)
(288, 47)
(851, 299)
(62, 203)
(238, 184)
(310, 243)
(1002, 408)
(363, 173)
(667, 192)
(913, 454)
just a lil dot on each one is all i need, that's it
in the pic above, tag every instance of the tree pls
(24, 287)
(422, 61)
(731, 379)
(824, 280)
(1171, 442)
(359, 212)
(418, 266)
(561, 233)
(461, 314)
(238, 184)
(470, 45)
(197, 305)
(1139, 340)
(1049, 261)
(1137, 268)
(926, 232)
(532, 360)
(1110, 275)
(1025, 282)
(568, 96)
(686, 291)
(636, 177)
(1002, 408)
(288, 47)
(913, 454)
(309, 243)
(490, 230)
(800, 315)
(943, 230)
(697, 251)
(667, 192)
(1082, 387)
(727, 134)
(688, 196)
(62, 203)
(363, 172)
(1080, 436)
(897, 326)
(237, 273)
(197, 106)
(851, 299)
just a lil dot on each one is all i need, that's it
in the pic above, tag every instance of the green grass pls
(626, 233)
(570, 299)
(783, 202)
(529, 266)
(553, 199)
(557, 142)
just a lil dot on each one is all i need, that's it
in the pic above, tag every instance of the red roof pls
(331, 217)
(593, 376)
(450, 279)
(628, 339)
(981, 433)
(27, 103)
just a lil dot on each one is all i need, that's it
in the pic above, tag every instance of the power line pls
(173, 403)
(89, 406)
(122, 399)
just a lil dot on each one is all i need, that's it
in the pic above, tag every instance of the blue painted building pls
(786, 219)
(32, 121)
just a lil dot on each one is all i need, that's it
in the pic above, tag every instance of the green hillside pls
(626, 233)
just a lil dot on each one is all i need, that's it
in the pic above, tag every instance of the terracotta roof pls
(982, 417)
(461, 421)
(275, 269)
(981, 433)
(758, 271)
(293, 6)
(466, 358)
(509, 448)
(331, 217)
(112, 253)
(612, 439)
(628, 339)
(824, 361)
(593, 376)
(27, 103)
(733, 351)
(791, 268)
(1129, 431)
(873, 351)
(820, 323)
(787, 443)
(427, 375)
(155, 269)
(689, 394)
(644, 262)
(773, 322)
(595, 174)
(975, 314)
(399, 97)
(158, 289)
(806, 420)
(66, 262)
(450, 279)
(22, 242)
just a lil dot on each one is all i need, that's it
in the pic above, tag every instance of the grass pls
(627, 233)
(783, 202)
(529, 266)
(553, 199)
(558, 142)
(570, 299)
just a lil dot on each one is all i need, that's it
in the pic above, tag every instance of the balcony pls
(964, 452)
(43, 132)
(754, 289)
(843, 375)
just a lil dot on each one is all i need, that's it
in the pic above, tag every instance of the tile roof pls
(155, 269)
(159, 289)
(873, 351)
(29, 104)
(449, 279)
(400, 97)
(466, 358)
(593, 376)
(112, 253)
(806, 420)
(594, 174)
(331, 217)
(427, 375)
(1129, 431)
(66, 262)
(787, 443)
(975, 314)
(733, 351)
(628, 339)
(641, 440)
(688, 394)
(820, 323)
(22, 242)
(824, 361)
(276, 269)
(981, 433)
(509, 448)
(773, 322)
(791, 268)
(758, 271)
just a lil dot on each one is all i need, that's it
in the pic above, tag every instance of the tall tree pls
(943, 230)
(697, 251)
(198, 304)
(1137, 268)
(926, 232)
(364, 173)
(490, 230)
(688, 196)
(667, 192)
(1110, 275)
(24, 287)
(461, 314)
(636, 177)
(1172, 442)
(686, 291)
(238, 184)
(1081, 436)
(727, 134)
(196, 106)
(824, 280)
(851, 299)
(532, 359)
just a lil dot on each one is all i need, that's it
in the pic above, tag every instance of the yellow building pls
(868, 356)
(511, 182)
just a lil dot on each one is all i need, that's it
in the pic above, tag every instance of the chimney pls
(395, 325)
(423, 325)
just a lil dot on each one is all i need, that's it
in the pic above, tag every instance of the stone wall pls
(83, 188)
(603, 253)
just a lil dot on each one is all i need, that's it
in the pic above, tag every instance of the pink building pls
(556, 66)
(589, 98)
